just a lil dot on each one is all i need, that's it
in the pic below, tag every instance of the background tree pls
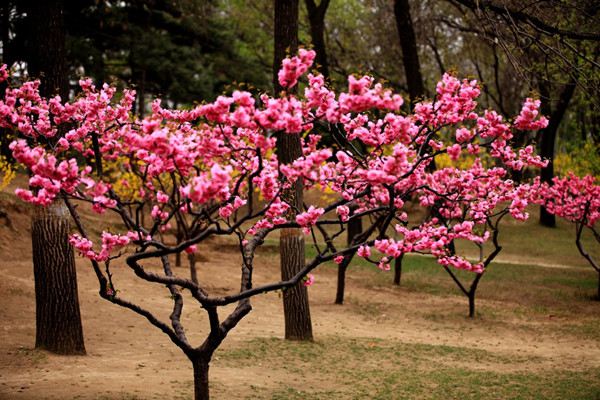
(316, 18)
(296, 308)
(550, 56)
(58, 320)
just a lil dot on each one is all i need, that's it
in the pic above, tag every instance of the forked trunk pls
(201, 390)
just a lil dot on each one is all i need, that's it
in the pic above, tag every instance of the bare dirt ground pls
(129, 359)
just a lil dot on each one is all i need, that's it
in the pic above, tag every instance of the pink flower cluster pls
(294, 67)
(110, 243)
(576, 199)
(528, 117)
(309, 218)
(216, 163)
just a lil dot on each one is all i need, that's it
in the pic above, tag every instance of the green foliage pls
(581, 159)
(184, 51)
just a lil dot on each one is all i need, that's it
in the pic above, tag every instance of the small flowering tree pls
(468, 203)
(577, 200)
(214, 171)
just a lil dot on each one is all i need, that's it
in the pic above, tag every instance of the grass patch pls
(343, 368)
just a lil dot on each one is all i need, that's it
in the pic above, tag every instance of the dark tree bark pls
(355, 228)
(7, 58)
(410, 53)
(201, 389)
(291, 243)
(142, 94)
(548, 137)
(58, 320)
(414, 78)
(398, 270)
(316, 18)
(193, 269)
(46, 45)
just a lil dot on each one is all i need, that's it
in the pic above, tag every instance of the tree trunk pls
(341, 283)
(354, 229)
(193, 270)
(46, 45)
(142, 94)
(201, 389)
(285, 34)
(316, 18)
(178, 238)
(291, 243)
(471, 297)
(410, 53)
(296, 308)
(410, 59)
(548, 138)
(58, 321)
(398, 270)
(6, 59)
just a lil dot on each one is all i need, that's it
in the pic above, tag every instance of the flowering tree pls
(576, 199)
(214, 171)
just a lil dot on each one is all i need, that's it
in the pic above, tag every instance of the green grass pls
(341, 368)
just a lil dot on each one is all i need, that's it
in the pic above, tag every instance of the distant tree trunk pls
(548, 137)
(58, 319)
(291, 243)
(398, 270)
(142, 94)
(410, 53)
(178, 238)
(354, 229)
(6, 59)
(412, 73)
(316, 18)
(193, 270)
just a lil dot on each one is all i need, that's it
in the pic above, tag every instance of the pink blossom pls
(309, 280)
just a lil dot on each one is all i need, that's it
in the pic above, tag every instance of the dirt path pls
(128, 356)
(128, 359)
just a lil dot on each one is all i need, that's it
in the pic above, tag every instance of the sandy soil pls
(127, 358)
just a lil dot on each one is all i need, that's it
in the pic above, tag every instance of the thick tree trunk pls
(201, 389)
(58, 321)
(410, 53)
(291, 244)
(295, 300)
(57, 314)
(285, 34)
(548, 138)
(46, 45)
(316, 18)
